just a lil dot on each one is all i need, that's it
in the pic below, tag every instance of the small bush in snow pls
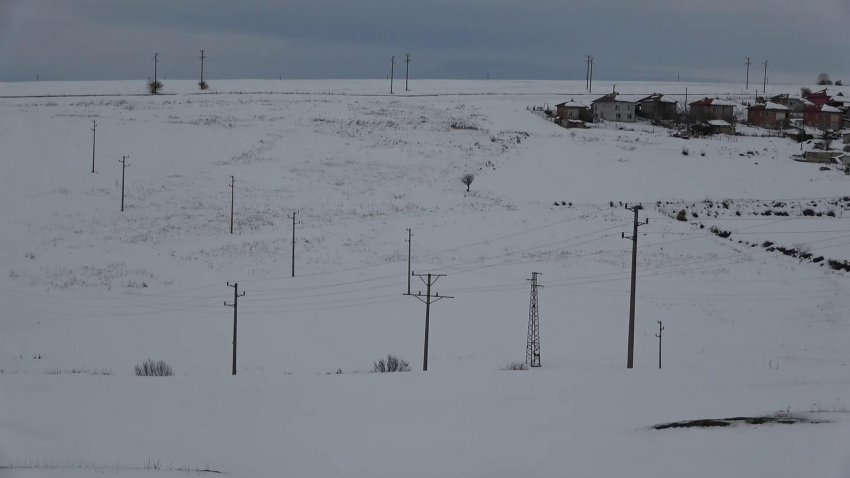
(808, 212)
(682, 216)
(391, 364)
(467, 179)
(154, 86)
(686, 151)
(203, 85)
(515, 366)
(830, 213)
(149, 368)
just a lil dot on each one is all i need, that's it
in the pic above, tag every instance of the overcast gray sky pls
(468, 39)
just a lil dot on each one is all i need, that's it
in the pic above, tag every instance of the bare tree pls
(826, 140)
(823, 79)
(467, 179)
(838, 83)
(804, 92)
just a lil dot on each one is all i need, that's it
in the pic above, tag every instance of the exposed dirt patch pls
(782, 418)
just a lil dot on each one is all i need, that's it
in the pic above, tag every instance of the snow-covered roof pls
(572, 104)
(719, 123)
(840, 99)
(775, 106)
(611, 98)
(712, 102)
(769, 106)
(717, 102)
(829, 109)
(658, 97)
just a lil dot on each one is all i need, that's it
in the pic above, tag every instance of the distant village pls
(819, 115)
(821, 110)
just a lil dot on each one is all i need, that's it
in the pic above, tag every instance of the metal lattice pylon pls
(532, 351)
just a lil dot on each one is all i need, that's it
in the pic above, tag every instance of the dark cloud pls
(646, 39)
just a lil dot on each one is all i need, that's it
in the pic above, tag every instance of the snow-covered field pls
(755, 322)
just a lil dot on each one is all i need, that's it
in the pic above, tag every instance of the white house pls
(611, 108)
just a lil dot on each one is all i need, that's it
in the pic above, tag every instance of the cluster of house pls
(820, 110)
(719, 115)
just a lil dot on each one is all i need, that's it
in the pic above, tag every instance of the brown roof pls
(609, 98)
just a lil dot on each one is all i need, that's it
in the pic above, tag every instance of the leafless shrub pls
(150, 368)
(391, 364)
(515, 366)
(463, 125)
(803, 248)
(203, 85)
(78, 371)
(154, 86)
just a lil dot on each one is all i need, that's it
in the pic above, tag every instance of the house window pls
(618, 115)
(629, 117)
(616, 107)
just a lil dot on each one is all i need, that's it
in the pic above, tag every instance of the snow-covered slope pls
(749, 328)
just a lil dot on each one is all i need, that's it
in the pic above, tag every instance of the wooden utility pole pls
(392, 72)
(406, 71)
(587, 72)
(409, 253)
(202, 84)
(232, 194)
(633, 237)
(660, 328)
(155, 61)
(235, 305)
(123, 162)
(428, 300)
(748, 72)
(592, 59)
(293, 242)
(93, 142)
(764, 89)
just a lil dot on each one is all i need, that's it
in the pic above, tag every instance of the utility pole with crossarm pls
(428, 299)
(235, 305)
(634, 238)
